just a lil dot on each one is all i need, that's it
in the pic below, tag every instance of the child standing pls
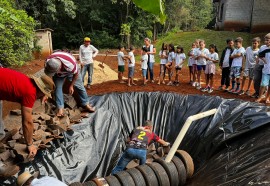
(194, 66)
(171, 59)
(225, 64)
(237, 62)
(163, 54)
(131, 66)
(191, 62)
(121, 63)
(179, 61)
(251, 55)
(201, 56)
(264, 54)
(211, 68)
(144, 61)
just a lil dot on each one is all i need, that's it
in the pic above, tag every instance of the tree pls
(16, 34)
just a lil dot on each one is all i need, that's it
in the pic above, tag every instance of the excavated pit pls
(231, 147)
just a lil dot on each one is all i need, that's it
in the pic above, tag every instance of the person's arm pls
(95, 51)
(163, 143)
(71, 89)
(28, 128)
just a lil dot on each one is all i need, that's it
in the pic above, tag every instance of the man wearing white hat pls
(17, 87)
(61, 66)
(26, 179)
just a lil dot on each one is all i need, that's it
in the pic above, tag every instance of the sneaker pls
(163, 82)
(210, 90)
(226, 89)
(241, 93)
(205, 89)
(248, 93)
(170, 83)
(198, 87)
(254, 95)
(194, 84)
(177, 84)
(237, 91)
(231, 90)
(88, 86)
(220, 88)
(153, 81)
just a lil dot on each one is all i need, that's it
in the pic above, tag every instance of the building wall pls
(238, 15)
(45, 41)
(261, 16)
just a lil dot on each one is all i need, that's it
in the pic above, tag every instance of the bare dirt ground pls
(105, 81)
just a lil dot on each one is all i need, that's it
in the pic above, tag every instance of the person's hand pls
(166, 144)
(71, 90)
(32, 151)
(44, 99)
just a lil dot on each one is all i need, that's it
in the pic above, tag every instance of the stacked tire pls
(158, 173)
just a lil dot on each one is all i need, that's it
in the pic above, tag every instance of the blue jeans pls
(129, 155)
(89, 68)
(78, 86)
(2, 132)
(150, 68)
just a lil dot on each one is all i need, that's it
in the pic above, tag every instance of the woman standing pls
(151, 51)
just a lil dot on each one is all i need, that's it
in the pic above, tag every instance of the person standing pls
(225, 64)
(163, 54)
(86, 54)
(61, 66)
(131, 66)
(121, 63)
(151, 51)
(137, 145)
(144, 59)
(180, 58)
(17, 87)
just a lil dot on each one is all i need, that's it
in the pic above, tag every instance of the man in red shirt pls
(17, 87)
(137, 145)
(61, 66)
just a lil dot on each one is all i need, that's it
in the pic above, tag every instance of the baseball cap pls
(52, 66)
(87, 39)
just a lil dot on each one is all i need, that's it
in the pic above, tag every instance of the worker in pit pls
(17, 87)
(137, 145)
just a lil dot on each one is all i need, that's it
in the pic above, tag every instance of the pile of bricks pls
(47, 127)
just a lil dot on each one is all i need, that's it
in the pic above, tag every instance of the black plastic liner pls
(230, 148)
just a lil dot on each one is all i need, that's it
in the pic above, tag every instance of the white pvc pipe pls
(183, 131)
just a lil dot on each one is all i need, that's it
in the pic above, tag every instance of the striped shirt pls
(69, 65)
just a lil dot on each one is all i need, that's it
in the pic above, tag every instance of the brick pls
(2, 147)
(44, 116)
(70, 101)
(132, 164)
(36, 126)
(40, 135)
(11, 143)
(5, 155)
(45, 141)
(9, 135)
(22, 152)
(17, 136)
(160, 151)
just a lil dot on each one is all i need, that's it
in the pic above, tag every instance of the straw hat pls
(44, 83)
(22, 178)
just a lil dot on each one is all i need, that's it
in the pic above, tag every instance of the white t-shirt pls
(251, 56)
(144, 61)
(237, 62)
(171, 57)
(120, 56)
(266, 68)
(201, 60)
(132, 59)
(46, 181)
(179, 58)
(163, 61)
(226, 60)
(86, 54)
(213, 56)
(191, 59)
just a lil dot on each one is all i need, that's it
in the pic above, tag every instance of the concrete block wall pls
(261, 16)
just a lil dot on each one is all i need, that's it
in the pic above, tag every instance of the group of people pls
(251, 64)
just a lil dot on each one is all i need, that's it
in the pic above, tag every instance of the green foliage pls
(149, 33)
(16, 34)
(125, 30)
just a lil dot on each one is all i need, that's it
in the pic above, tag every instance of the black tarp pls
(230, 148)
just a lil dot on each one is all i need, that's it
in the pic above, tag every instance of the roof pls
(44, 29)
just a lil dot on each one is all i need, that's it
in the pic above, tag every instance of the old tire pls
(171, 171)
(112, 181)
(137, 177)
(89, 183)
(181, 169)
(187, 160)
(125, 178)
(161, 174)
(75, 184)
(99, 181)
(149, 175)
